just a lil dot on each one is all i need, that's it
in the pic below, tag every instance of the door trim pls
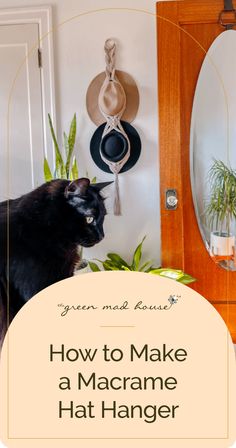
(169, 100)
(43, 17)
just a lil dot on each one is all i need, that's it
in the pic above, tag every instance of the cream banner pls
(118, 358)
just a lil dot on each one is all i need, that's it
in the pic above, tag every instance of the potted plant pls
(67, 169)
(115, 262)
(220, 209)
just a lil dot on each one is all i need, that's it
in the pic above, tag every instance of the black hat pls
(114, 146)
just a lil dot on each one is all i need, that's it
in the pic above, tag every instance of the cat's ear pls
(101, 185)
(78, 187)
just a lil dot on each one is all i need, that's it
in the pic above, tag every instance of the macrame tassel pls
(117, 205)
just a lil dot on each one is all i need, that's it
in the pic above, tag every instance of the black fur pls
(44, 229)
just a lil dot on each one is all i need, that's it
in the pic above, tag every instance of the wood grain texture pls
(229, 316)
(179, 63)
(169, 137)
(193, 11)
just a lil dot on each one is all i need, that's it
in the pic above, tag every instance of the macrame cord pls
(113, 122)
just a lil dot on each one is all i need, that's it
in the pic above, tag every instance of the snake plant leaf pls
(117, 260)
(74, 170)
(94, 267)
(57, 168)
(60, 167)
(137, 256)
(47, 172)
(66, 143)
(72, 132)
(71, 143)
(61, 170)
(56, 146)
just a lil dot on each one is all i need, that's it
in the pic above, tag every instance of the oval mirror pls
(213, 150)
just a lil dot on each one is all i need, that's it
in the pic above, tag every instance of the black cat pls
(39, 240)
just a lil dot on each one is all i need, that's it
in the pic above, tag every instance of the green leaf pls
(174, 274)
(137, 256)
(71, 143)
(187, 279)
(74, 170)
(146, 267)
(60, 168)
(94, 267)
(56, 146)
(167, 272)
(66, 144)
(72, 133)
(47, 172)
(117, 260)
(109, 266)
(58, 173)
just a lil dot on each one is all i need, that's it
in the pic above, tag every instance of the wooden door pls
(22, 161)
(186, 30)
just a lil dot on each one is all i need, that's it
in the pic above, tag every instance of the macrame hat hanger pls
(115, 146)
(131, 92)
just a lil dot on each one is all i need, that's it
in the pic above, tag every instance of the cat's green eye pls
(89, 219)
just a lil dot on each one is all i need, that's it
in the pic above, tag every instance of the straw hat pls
(131, 93)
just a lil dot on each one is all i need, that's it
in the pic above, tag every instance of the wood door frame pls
(42, 16)
(215, 283)
(171, 16)
(169, 133)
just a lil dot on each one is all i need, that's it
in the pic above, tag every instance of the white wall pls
(78, 58)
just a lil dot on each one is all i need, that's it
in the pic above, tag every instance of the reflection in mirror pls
(213, 150)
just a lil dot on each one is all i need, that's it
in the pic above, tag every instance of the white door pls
(21, 155)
